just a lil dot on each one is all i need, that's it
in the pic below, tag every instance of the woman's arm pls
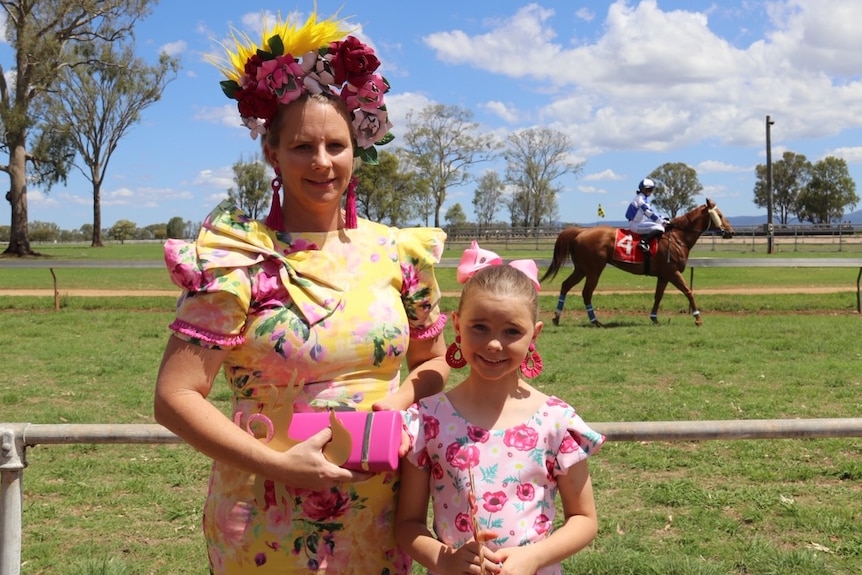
(185, 380)
(577, 531)
(427, 376)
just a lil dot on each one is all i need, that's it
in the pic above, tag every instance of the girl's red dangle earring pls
(454, 357)
(532, 365)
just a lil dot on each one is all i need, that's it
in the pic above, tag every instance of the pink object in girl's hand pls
(374, 436)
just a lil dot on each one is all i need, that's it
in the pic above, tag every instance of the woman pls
(306, 311)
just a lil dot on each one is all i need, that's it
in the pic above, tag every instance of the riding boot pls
(645, 239)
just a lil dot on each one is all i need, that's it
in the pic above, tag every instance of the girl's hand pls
(473, 558)
(518, 561)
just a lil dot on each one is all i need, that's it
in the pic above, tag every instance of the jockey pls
(642, 219)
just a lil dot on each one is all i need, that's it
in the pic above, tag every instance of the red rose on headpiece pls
(251, 65)
(254, 102)
(352, 59)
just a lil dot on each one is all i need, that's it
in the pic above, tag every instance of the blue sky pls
(635, 85)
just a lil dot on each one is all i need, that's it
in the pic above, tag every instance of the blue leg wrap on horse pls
(590, 313)
(561, 302)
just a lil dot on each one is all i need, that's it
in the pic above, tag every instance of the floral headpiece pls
(315, 57)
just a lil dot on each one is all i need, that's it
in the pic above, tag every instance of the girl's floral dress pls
(514, 469)
(312, 320)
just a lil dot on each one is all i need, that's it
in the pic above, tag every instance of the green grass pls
(728, 507)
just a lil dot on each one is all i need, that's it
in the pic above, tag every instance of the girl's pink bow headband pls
(475, 258)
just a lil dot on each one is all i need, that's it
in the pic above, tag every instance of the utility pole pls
(770, 228)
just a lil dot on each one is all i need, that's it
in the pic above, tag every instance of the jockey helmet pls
(646, 185)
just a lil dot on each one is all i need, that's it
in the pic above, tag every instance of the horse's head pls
(718, 221)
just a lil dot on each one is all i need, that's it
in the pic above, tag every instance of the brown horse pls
(591, 249)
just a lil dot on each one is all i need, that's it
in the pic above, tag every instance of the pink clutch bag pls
(361, 440)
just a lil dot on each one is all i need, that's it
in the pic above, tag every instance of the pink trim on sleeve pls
(194, 332)
(432, 330)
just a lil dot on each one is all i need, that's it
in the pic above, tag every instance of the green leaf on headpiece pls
(386, 139)
(230, 88)
(276, 45)
(367, 155)
(388, 86)
(264, 56)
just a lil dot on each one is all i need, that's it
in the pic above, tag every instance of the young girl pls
(493, 452)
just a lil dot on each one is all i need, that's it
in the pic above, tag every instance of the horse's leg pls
(587, 293)
(568, 284)
(679, 282)
(660, 286)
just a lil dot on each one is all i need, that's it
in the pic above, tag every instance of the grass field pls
(735, 507)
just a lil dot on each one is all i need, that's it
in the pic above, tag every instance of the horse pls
(593, 248)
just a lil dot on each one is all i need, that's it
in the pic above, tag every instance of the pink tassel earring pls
(275, 219)
(454, 357)
(532, 365)
(350, 205)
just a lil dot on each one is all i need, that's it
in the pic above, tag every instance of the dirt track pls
(574, 292)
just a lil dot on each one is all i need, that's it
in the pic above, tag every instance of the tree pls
(105, 92)
(487, 198)
(790, 175)
(253, 192)
(442, 142)
(385, 193)
(676, 186)
(455, 216)
(44, 232)
(176, 228)
(123, 230)
(41, 33)
(829, 192)
(535, 158)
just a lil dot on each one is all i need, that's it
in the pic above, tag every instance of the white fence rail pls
(15, 438)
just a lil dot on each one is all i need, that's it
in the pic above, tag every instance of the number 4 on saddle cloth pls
(626, 247)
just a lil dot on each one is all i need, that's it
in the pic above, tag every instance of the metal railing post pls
(12, 463)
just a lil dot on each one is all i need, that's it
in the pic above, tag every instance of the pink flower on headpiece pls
(371, 125)
(352, 59)
(318, 72)
(256, 102)
(282, 76)
(256, 126)
(369, 96)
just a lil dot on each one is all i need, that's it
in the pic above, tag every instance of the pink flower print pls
(437, 471)
(410, 279)
(568, 445)
(526, 491)
(556, 401)
(550, 468)
(522, 438)
(260, 559)
(494, 502)
(422, 460)
(462, 456)
(325, 505)
(463, 523)
(542, 524)
(477, 434)
(431, 426)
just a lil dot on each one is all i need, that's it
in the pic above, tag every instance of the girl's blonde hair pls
(502, 280)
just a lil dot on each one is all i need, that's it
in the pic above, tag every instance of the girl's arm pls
(427, 376)
(185, 380)
(413, 535)
(577, 531)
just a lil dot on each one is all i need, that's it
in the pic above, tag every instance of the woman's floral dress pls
(312, 320)
(514, 469)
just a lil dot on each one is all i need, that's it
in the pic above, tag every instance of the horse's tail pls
(562, 248)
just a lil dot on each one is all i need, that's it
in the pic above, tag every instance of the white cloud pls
(173, 48)
(604, 175)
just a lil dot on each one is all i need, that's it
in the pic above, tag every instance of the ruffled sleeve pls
(578, 441)
(419, 250)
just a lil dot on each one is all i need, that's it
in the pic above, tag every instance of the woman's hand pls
(305, 466)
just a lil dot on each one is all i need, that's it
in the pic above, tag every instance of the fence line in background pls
(15, 438)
